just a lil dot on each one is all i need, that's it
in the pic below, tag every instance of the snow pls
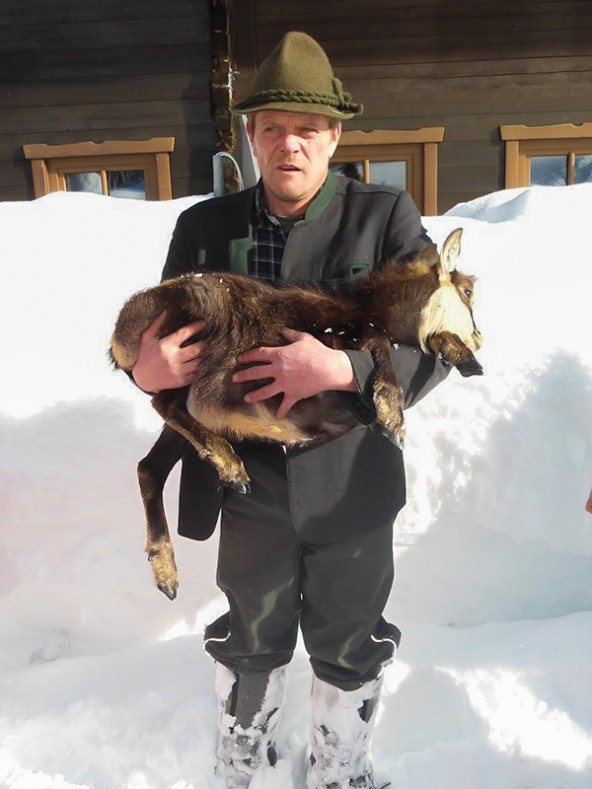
(104, 684)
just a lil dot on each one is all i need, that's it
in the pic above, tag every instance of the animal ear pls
(428, 255)
(449, 254)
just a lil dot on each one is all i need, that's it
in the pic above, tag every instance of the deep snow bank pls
(104, 682)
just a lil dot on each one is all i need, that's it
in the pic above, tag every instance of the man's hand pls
(163, 363)
(301, 369)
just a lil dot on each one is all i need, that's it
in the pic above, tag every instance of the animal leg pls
(209, 446)
(454, 351)
(153, 472)
(388, 396)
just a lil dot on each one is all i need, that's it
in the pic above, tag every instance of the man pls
(311, 544)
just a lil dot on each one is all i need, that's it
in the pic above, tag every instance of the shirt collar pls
(262, 215)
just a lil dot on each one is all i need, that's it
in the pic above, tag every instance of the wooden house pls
(461, 99)
(470, 96)
(105, 76)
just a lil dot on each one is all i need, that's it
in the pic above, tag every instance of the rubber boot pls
(249, 708)
(342, 724)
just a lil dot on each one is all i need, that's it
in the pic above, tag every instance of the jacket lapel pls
(239, 250)
(300, 263)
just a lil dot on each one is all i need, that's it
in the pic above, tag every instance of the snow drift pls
(104, 683)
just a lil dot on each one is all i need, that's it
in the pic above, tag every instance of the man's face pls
(293, 152)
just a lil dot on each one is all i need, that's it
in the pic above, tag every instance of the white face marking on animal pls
(446, 310)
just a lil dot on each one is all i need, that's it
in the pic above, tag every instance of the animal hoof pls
(240, 487)
(170, 593)
(471, 367)
(399, 441)
(396, 438)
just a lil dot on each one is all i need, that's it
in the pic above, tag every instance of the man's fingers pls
(268, 354)
(181, 335)
(285, 406)
(257, 355)
(270, 390)
(186, 332)
(255, 373)
(293, 335)
(190, 352)
(152, 331)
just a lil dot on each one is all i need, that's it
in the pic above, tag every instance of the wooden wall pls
(77, 70)
(468, 66)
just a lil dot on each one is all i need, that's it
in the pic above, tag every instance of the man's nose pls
(290, 143)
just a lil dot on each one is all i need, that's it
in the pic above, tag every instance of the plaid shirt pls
(269, 241)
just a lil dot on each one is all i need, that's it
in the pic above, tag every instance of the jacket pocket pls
(345, 275)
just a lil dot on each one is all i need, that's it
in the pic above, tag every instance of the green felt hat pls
(297, 77)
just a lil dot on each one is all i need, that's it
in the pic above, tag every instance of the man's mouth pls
(288, 168)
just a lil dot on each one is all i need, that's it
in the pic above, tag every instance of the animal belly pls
(253, 421)
(315, 419)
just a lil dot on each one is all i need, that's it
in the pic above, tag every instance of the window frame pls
(523, 142)
(51, 163)
(418, 148)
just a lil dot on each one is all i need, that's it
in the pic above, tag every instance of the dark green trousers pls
(336, 592)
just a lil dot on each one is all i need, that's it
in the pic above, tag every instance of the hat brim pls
(246, 107)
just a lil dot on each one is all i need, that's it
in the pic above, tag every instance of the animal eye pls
(468, 292)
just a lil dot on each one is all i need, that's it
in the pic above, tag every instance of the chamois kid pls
(426, 302)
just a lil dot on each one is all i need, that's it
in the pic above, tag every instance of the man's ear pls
(250, 127)
(335, 135)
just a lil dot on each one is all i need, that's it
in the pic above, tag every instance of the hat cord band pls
(342, 102)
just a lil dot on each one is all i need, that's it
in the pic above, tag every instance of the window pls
(405, 159)
(134, 169)
(548, 155)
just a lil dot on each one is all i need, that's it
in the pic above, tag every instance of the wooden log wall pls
(467, 66)
(78, 70)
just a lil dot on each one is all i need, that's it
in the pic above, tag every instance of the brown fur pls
(426, 303)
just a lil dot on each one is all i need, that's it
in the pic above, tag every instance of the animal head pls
(450, 307)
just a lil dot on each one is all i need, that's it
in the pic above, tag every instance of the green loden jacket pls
(357, 481)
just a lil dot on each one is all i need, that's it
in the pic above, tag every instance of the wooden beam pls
(557, 131)
(392, 136)
(163, 171)
(513, 177)
(430, 179)
(40, 178)
(154, 145)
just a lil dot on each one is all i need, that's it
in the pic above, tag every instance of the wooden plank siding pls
(469, 67)
(106, 69)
